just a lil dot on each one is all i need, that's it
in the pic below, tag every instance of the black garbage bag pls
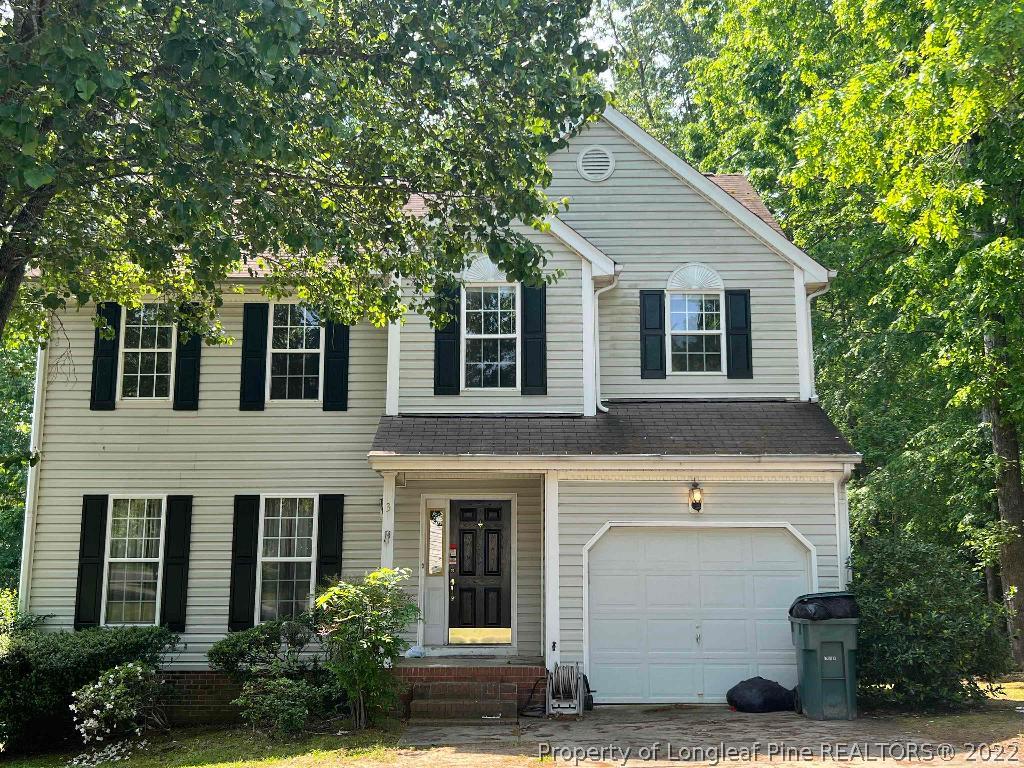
(760, 695)
(824, 605)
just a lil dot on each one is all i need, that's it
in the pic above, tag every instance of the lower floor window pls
(133, 561)
(285, 590)
(287, 544)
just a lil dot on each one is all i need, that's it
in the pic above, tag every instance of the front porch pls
(473, 543)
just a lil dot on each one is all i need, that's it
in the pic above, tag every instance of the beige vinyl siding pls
(585, 506)
(564, 353)
(213, 454)
(528, 548)
(650, 222)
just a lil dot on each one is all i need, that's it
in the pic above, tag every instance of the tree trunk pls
(12, 279)
(1010, 497)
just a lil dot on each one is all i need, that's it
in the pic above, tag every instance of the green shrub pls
(279, 705)
(928, 637)
(40, 670)
(363, 624)
(288, 648)
(123, 701)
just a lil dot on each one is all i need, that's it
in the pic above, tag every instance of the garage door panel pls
(773, 636)
(614, 682)
(670, 682)
(777, 591)
(613, 591)
(673, 550)
(778, 549)
(617, 635)
(723, 591)
(670, 591)
(671, 635)
(731, 587)
(725, 635)
(728, 550)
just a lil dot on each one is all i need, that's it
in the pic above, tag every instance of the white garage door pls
(683, 614)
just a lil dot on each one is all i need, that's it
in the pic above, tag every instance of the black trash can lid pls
(825, 605)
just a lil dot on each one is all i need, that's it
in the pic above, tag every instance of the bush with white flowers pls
(121, 703)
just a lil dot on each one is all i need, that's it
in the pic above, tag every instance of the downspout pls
(35, 442)
(810, 332)
(597, 335)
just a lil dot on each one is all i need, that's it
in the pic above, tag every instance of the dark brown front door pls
(480, 572)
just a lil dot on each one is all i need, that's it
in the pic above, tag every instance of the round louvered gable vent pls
(595, 163)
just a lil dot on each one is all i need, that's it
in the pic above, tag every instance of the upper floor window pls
(490, 336)
(134, 554)
(287, 548)
(296, 342)
(696, 333)
(147, 352)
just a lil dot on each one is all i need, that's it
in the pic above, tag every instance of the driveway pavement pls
(703, 734)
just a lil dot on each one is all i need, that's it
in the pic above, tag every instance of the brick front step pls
(485, 712)
(470, 692)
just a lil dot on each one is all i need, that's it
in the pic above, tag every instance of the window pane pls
(435, 542)
(146, 350)
(131, 593)
(285, 589)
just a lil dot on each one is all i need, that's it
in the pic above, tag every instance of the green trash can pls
(826, 654)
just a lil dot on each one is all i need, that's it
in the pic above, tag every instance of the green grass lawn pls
(237, 747)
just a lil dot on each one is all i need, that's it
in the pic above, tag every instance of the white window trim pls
(270, 357)
(669, 333)
(463, 337)
(160, 564)
(259, 547)
(120, 360)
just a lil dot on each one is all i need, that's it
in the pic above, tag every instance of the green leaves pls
(38, 175)
(218, 129)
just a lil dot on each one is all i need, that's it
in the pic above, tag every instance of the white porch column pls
(589, 353)
(387, 527)
(552, 650)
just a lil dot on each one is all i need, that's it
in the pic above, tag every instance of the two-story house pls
(626, 468)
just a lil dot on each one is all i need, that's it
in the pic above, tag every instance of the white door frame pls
(812, 554)
(430, 499)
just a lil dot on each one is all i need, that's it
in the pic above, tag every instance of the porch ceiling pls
(744, 428)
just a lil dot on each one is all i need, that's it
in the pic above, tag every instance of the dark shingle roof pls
(667, 428)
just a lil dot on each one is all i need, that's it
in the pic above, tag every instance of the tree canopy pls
(154, 146)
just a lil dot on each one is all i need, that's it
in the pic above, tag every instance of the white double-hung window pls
(134, 562)
(295, 349)
(287, 549)
(490, 336)
(696, 332)
(147, 352)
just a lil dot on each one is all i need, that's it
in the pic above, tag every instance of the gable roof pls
(718, 195)
(739, 186)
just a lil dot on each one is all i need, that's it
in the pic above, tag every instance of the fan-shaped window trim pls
(695, 277)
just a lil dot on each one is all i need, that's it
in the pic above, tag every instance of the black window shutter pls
(329, 536)
(177, 538)
(91, 550)
(446, 349)
(242, 600)
(255, 317)
(186, 373)
(652, 334)
(535, 340)
(104, 360)
(738, 349)
(336, 367)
